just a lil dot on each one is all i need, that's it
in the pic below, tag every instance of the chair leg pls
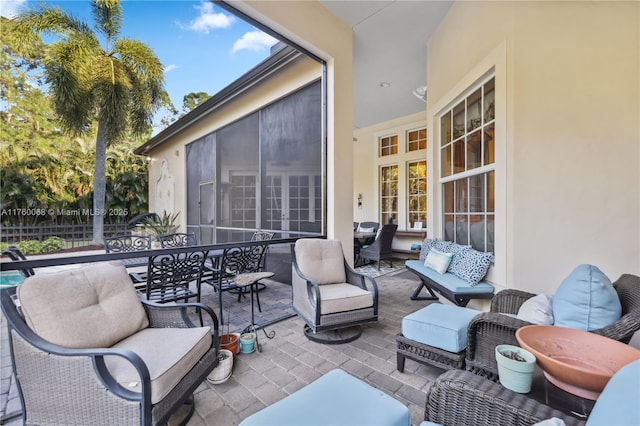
(258, 297)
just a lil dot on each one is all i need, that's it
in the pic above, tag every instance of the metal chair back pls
(127, 243)
(179, 239)
(169, 276)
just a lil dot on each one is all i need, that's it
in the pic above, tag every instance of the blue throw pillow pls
(472, 266)
(586, 300)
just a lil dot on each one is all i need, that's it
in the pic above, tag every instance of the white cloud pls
(209, 20)
(10, 8)
(255, 41)
(170, 68)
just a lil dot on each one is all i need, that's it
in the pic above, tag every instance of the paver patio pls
(290, 361)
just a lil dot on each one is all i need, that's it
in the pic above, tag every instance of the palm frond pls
(49, 20)
(108, 16)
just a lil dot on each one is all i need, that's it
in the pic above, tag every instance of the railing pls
(90, 258)
(75, 235)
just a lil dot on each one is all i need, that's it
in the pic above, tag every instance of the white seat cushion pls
(169, 354)
(343, 297)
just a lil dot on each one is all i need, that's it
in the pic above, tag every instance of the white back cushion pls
(94, 306)
(321, 260)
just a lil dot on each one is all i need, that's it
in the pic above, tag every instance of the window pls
(467, 174)
(417, 193)
(389, 193)
(416, 140)
(388, 145)
(243, 201)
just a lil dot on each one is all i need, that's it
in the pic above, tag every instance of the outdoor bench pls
(448, 285)
(462, 279)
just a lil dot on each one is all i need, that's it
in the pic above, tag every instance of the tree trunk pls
(99, 187)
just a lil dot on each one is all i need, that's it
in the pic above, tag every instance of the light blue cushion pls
(450, 281)
(586, 300)
(619, 402)
(336, 398)
(440, 326)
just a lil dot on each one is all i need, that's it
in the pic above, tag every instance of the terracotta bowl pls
(576, 361)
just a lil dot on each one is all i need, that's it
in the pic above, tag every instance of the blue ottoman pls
(435, 335)
(336, 398)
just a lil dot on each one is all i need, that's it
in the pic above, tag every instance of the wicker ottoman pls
(435, 335)
(336, 398)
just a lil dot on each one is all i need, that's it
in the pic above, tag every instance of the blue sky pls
(202, 47)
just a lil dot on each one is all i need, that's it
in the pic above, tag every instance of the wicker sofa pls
(492, 328)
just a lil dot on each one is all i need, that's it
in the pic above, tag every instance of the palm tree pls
(118, 85)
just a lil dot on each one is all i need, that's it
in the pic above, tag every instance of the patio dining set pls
(79, 333)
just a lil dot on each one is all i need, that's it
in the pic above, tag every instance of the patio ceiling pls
(389, 40)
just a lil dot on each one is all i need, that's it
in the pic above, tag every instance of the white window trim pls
(400, 159)
(494, 63)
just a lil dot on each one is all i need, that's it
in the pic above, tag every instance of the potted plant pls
(161, 224)
(248, 342)
(223, 370)
(515, 367)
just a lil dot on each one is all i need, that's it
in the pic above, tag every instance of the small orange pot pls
(229, 342)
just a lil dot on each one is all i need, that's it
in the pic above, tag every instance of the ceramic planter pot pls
(223, 370)
(248, 343)
(229, 342)
(515, 367)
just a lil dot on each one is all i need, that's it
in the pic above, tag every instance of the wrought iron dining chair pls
(171, 277)
(236, 262)
(178, 239)
(127, 243)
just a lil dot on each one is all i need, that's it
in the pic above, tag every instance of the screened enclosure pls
(262, 172)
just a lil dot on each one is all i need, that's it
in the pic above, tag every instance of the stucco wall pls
(571, 144)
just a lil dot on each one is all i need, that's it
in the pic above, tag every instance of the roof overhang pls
(256, 75)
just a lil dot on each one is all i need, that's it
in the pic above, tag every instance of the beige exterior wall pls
(299, 74)
(567, 174)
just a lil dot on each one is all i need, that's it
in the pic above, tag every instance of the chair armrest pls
(461, 398)
(623, 329)
(162, 315)
(509, 301)
(485, 332)
(313, 289)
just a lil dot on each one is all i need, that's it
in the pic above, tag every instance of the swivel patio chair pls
(380, 249)
(85, 350)
(331, 297)
(489, 329)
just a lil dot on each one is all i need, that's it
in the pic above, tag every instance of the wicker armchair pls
(331, 298)
(68, 373)
(461, 398)
(489, 329)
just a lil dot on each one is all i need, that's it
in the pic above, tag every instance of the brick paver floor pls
(290, 361)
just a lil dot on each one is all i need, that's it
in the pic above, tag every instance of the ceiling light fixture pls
(421, 93)
(385, 84)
